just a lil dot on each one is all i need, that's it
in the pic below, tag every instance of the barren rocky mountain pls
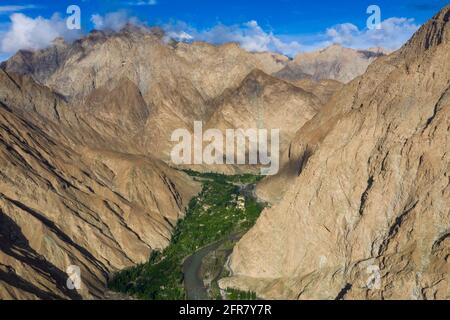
(86, 178)
(323, 89)
(165, 86)
(364, 213)
(262, 101)
(130, 90)
(334, 62)
(62, 206)
(82, 132)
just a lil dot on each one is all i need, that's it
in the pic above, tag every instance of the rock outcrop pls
(63, 204)
(139, 86)
(333, 63)
(84, 149)
(83, 130)
(262, 101)
(364, 197)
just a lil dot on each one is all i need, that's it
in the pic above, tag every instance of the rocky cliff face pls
(364, 213)
(138, 86)
(83, 129)
(262, 101)
(334, 62)
(63, 203)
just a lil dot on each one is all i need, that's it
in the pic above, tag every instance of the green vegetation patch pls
(234, 294)
(220, 210)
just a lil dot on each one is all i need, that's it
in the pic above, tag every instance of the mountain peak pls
(131, 28)
(128, 30)
(59, 41)
(335, 62)
(430, 35)
(334, 46)
(444, 13)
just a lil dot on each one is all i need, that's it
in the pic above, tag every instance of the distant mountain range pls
(361, 206)
(87, 180)
(334, 63)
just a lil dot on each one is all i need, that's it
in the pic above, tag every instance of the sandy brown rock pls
(82, 128)
(323, 89)
(59, 206)
(364, 183)
(262, 102)
(372, 196)
(334, 62)
(174, 83)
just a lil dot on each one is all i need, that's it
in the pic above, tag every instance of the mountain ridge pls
(366, 188)
(85, 180)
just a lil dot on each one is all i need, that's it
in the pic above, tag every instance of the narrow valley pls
(215, 220)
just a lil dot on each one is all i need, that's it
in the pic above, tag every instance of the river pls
(193, 282)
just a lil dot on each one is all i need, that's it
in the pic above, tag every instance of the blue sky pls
(287, 26)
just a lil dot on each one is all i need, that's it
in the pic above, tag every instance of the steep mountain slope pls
(334, 62)
(262, 101)
(323, 89)
(173, 82)
(197, 71)
(366, 211)
(78, 165)
(292, 72)
(61, 206)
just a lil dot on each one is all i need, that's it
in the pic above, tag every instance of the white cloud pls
(249, 35)
(142, 3)
(179, 35)
(15, 8)
(113, 20)
(34, 33)
(393, 34)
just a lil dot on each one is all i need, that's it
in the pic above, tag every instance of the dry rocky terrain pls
(86, 178)
(361, 207)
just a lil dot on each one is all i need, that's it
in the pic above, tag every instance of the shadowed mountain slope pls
(61, 205)
(365, 209)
